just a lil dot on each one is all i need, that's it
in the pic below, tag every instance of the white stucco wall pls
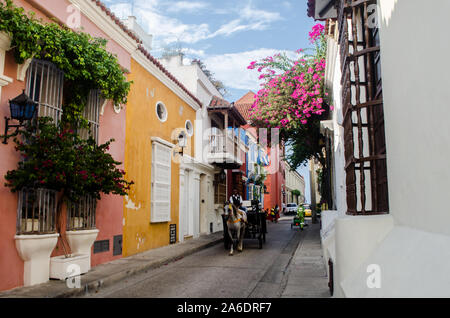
(333, 79)
(415, 62)
(193, 78)
(356, 238)
(408, 246)
(410, 263)
(293, 182)
(200, 205)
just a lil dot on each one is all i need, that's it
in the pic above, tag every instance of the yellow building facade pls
(158, 109)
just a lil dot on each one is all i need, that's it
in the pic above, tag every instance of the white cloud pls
(232, 70)
(252, 14)
(186, 6)
(249, 18)
(194, 52)
(153, 16)
(229, 28)
(286, 4)
(166, 30)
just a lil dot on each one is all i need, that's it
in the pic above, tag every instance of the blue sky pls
(226, 35)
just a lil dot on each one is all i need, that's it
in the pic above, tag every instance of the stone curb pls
(57, 289)
(96, 285)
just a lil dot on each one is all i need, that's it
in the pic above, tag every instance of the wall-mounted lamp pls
(182, 142)
(22, 109)
(222, 176)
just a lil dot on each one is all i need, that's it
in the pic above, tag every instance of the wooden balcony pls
(225, 149)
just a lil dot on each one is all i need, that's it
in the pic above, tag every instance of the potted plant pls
(57, 159)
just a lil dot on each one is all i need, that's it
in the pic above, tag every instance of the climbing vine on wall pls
(56, 157)
(84, 59)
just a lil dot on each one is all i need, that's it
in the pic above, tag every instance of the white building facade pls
(387, 70)
(198, 212)
(294, 181)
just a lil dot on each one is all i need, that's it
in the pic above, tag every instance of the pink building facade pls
(96, 20)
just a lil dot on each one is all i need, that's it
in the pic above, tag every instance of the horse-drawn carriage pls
(255, 227)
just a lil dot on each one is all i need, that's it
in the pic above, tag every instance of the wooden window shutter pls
(161, 183)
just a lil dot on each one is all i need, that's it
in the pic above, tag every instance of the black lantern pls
(22, 109)
(251, 179)
(182, 142)
(222, 176)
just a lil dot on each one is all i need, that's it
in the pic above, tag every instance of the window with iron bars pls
(92, 114)
(45, 85)
(37, 207)
(36, 212)
(81, 214)
(362, 100)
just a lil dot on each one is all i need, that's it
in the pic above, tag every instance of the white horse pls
(236, 223)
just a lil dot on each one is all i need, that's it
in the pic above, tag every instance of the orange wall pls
(274, 181)
(141, 125)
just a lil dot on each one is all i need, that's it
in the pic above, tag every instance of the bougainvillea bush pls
(55, 157)
(293, 90)
(293, 97)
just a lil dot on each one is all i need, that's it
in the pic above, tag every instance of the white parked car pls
(291, 208)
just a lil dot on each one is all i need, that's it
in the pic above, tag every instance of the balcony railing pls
(225, 148)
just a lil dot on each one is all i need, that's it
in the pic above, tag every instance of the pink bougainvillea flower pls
(252, 65)
(316, 32)
(294, 93)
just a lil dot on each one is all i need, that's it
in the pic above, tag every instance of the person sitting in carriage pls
(236, 199)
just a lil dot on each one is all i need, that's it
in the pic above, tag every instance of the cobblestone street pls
(289, 265)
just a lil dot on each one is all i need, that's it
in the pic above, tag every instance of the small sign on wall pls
(173, 233)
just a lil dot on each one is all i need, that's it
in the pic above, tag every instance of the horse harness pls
(235, 221)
